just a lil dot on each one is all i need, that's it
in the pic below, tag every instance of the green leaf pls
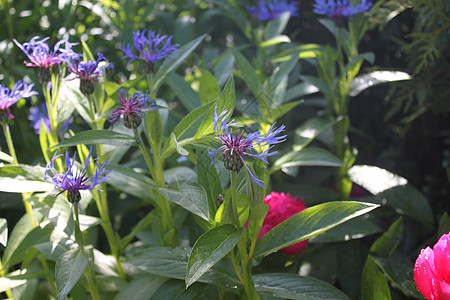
(189, 195)
(176, 290)
(7, 283)
(407, 200)
(248, 74)
(224, 102)
(209, 249)
(309, 130)
(110, 283)
(154, 128)
(307, 157)
(172, 263)
(444, 225)
(70, 90)
(209, 89)
(173, 63)
(362, 82)
(3, 231)
(6, 157)
(276, 40)
(256, 220)
(309, 223)
(374, 285)
(68, 270)
(290, 286)
(142, 287)
(98, 137)
(54, 249)
(187, 96)
(189, 125)
(386, 244)
(352, 229)
(23, 179)
(224, 68)
(276, 27)
(180, 149)
(365, 176)
(208, 178)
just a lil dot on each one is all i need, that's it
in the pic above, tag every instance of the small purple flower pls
(151, 48)
(234, 146)
(37, 115)
(340, 10)
(269, 10)
(72, 182)
(131, 108)
(87, 71)
(39, 54)
(9, 97)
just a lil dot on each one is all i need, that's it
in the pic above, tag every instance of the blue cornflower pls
(269, 10)
(131, 108)
(9, 97)
(340, 10)
(37, 115)
(87, 71)
(72, 182)
(151, 47)
(39, 54)
(235, 146)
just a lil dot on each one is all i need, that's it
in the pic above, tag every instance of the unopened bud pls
(232, 161)
(44, 75)
(73, 196)
(87, 87)
(5, 117)
(132, 121)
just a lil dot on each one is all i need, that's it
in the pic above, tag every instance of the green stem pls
(92, 286)
(233, 178)
(150, 86)
(10, 143)
(236, 268)
(145, 153)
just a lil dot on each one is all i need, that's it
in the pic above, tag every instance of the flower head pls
(9, 97)
(340, 10)
(269, 10)
(37, 115)
(131, 108)
(281, 207)
(39, 54)
(87, 71)
(151, 47)
(236, 146)
(72, 182)
(432, 270)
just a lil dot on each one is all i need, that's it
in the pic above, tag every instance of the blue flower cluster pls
(340, 9)
(9, 97)
(268, 10)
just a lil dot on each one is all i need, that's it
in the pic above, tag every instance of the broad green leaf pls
(70, 90)
(386, 244)
(154, 128)
(400, 276)
(23, 179)
(374, 179)
(132, 182)
(3, 231)
(300, 90)
(209, 89)
(276, 40)
(374, 285)
(142, 287)
(281, 72)
(324, 87)
(407, 200)
(256, 220)
(352, 229)
(189, 195)
(290, 286)
(248, 73)
(6, 157)
(68, 270)
(307, 157)
(224, 68)
(224, 102)
(209, 179)
(54, 249)
(309, 223)
(173, 63)
(308, 131)
(187, 96)
(110, 283)
(172, 263)
(176, 290)
(283, 109)
(209, 249)
(26, 291)
(276, 27)
(179, 174)
(362, 82)
(98, 137)
(189, 125)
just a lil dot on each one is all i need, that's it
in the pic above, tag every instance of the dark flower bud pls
(73, 196)
(87, 87)
(44, 75)
(56, 69)
(148, 67)
(232, 161)
(132, 120)
(5, 117)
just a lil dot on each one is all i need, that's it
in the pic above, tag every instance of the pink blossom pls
(432, 270)
(281, 207)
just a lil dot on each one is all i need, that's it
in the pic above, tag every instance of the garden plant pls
(224, 149)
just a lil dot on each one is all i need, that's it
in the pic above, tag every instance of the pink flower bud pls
(432, 270)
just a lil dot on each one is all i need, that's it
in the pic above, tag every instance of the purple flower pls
(87, 71)
(9, 97)
(235, 146)
(37, 115)
(39, 54)
(151, 48)
(269, 10)
(340, 10)
(74, 182)
(131, 108)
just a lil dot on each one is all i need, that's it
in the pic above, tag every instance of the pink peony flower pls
(281, 207)
(432, 270)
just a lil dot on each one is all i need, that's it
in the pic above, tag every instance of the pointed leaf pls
(307, 157)
(362, 82)
(209, 89)
(308, 223)
(209, 249)
(187, 96)
(309, 130)
(3, 231)
(22, 179)
(374, 285)
(374, 179)
(142, 287)
(98, 137)
(68, 270)
(248, 73)
(386, 244)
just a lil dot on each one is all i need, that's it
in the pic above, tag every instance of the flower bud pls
(87, 87)
(232, 161)
(44, 75)
(148, 67)
(73, 196)
(5, 117)
(132, 120)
